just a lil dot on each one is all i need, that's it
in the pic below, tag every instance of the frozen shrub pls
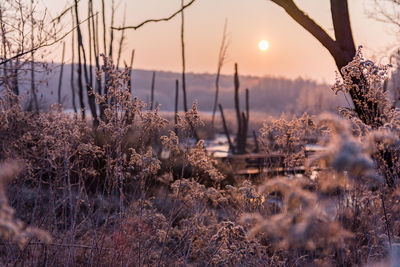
(108, 199)
(287, 138)
(366, 80)
(345, 152)
(198, 158)
(302, 223)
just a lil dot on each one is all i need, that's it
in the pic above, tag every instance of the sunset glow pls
(263, 45)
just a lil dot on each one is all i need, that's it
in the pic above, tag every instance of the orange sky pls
(293, 52)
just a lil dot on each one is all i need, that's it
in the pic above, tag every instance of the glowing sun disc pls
(263, 45)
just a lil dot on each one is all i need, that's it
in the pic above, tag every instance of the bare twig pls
(63, 13)
(183, 7)
(221, 60)
(40, 46)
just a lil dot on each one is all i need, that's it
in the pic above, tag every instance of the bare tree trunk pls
(237, 108)
(15, 84)
(90, 45)
(4, 49)
(176, 105)
(33, 89)
(91, 98)
(245, 123)
(183, 58)
(80, 83)
(184, 68)
(221, 60)
(110, 52)
(61, 75)
(247, 106)
(342, 49)
(153, 81)
(103, 8)
(243, 135)
(231, 147)
(6, 79)
(343, 33)
(73, 66)
(95, 38)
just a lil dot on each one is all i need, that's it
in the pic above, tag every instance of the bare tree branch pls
(388, 12)
(155, 20)
(41, 45)
(309, 24)
(58, 18)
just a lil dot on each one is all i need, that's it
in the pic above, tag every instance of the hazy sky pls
(293, 51)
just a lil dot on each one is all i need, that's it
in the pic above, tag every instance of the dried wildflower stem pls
(386, 219)
(172, 217)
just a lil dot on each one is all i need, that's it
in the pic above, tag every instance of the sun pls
(263, 45)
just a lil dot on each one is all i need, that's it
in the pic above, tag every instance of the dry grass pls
(106, 198)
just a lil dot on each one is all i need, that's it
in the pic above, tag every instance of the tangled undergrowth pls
(104, 196)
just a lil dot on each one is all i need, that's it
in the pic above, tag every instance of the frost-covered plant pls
(303, 221)
(198, 159)
(128, 131)
(345, 152)
(287, 138)
(196, 156)
(372, 111)
(364, 80)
